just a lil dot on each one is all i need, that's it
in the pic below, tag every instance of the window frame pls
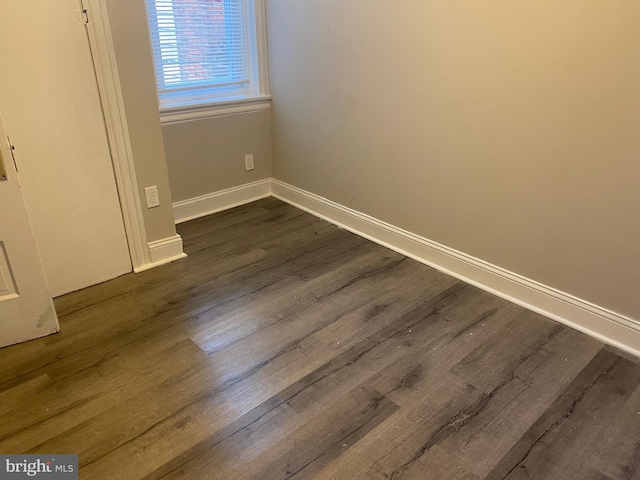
(175, 108)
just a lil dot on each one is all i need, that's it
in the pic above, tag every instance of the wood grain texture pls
(284, 347)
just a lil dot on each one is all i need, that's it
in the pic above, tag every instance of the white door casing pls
(144, 254)
(26, 307)
(108, 77)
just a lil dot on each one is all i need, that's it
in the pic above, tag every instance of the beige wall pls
(137, 78)
(507, 130)
(206, 156)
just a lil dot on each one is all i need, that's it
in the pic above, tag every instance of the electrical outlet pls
(152, 196)
(248, 162)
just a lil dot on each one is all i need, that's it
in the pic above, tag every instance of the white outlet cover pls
(248, 162)
(151, 195)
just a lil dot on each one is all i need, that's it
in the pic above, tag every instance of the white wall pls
(49, 102)
(506, 130)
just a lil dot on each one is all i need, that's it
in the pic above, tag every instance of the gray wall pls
(206, 156)
(187, 159)
(507, 130)
(137, 78)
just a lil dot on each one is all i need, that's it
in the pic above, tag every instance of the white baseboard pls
(163, 251)
(605, 325)
(218, 201)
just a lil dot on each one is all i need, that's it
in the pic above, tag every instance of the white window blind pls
(201, 49)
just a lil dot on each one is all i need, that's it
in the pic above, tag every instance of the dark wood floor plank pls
(177, 306)
(139, 305)
(311, 296)
(366, 358)
(561, 443)
(236, 444)
(618, 452)
(488, 365)
(317, 442)
(523, 394)
(67, 405)
(324, 437)
(358, 355)
(477, 434)
(460, 326)
(285, 347)
(594, 475)
(413, 429)
(305, 392)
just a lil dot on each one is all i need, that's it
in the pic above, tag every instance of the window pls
(208, 53)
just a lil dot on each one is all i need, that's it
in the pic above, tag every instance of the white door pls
(26, 308)
(51, 108)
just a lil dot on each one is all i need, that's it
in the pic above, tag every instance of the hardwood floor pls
(284, 347)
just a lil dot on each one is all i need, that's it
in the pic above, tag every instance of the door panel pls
(51, 108)
(26, 308)
(8, 287)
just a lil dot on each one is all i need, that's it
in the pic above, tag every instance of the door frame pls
(110, 92)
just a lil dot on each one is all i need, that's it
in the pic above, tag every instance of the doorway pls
(52, 113)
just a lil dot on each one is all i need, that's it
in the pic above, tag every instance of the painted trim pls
(259, 99)
(197, 207)
(259, 11)
(607, 326)
(169, 116)
(163, 251)
(144, 255)
(108, 78)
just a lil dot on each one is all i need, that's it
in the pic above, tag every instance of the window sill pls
(187, 113)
